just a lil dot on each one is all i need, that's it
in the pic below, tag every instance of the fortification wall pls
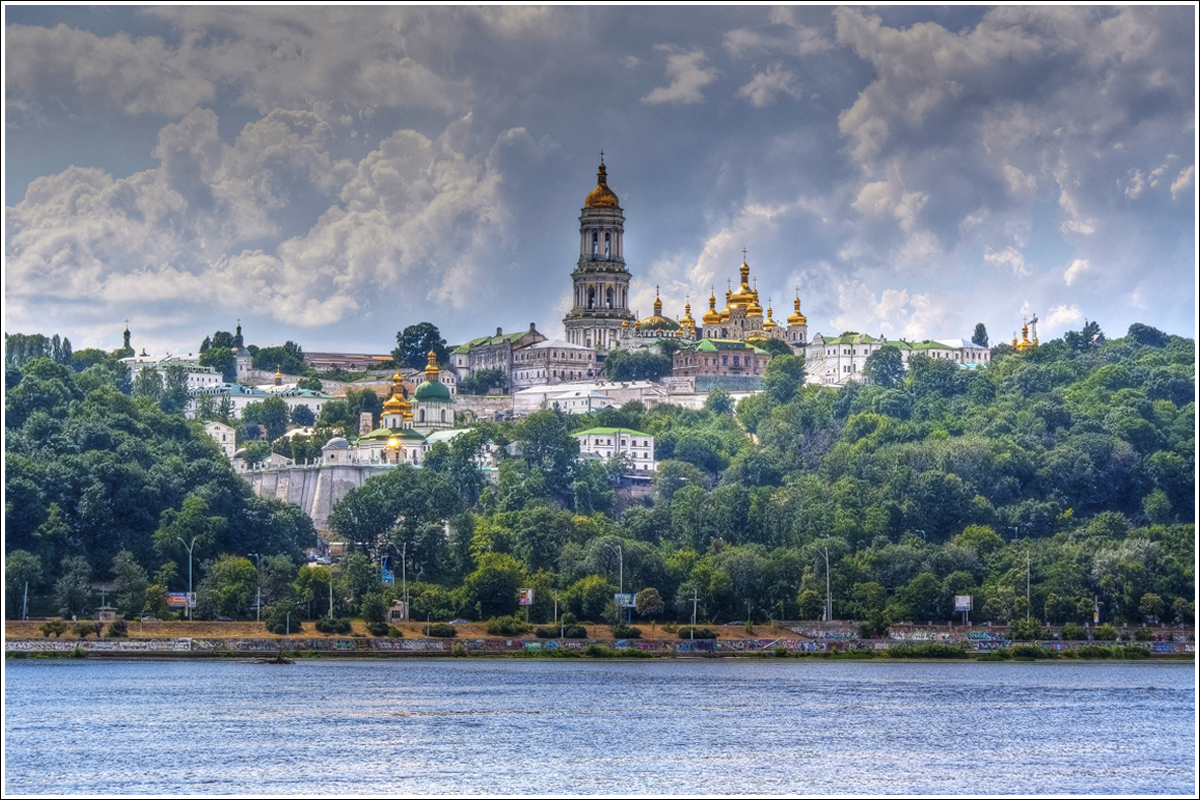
(313, 488)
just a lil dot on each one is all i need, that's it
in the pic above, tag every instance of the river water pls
(707, 726)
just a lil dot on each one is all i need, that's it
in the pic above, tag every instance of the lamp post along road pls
(189, 594)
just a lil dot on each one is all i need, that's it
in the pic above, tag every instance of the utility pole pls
(695, 600)
(189, 594)
(1027, 609)
(828, 592)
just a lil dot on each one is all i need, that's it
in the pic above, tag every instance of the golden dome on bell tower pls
(602, 196)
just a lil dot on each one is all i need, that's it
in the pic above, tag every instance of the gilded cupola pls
(797, 318)
(712, 316)
(601, 196)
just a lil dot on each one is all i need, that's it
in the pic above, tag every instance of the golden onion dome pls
(396, 404)
(770, 324)
(658, 322)
(712, 316)
(687, 321)
(797, 318)
(431, 368)
(601, 196)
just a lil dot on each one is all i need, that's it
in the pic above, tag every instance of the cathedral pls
(600, 317)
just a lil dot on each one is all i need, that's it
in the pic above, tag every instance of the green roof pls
(432, 392)
(383, 434)
(713, 345)
(609, 432)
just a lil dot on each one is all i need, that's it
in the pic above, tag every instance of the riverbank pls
(249, 639)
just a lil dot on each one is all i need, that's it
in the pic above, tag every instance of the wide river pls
(719, 726)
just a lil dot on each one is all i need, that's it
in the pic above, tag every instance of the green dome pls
(432, 392)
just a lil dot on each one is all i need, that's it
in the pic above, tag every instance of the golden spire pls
(278, 374)
(770, 324)
(431, 368)
(713, 317)
(397, 403)
(797, 318)
(601, 196)
(657, 303)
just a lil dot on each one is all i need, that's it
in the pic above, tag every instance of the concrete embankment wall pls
(315, 489)
(361, 646)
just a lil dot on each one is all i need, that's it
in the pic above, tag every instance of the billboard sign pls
(526, 597)
(962, 602)
(181, 600)
(624, 600)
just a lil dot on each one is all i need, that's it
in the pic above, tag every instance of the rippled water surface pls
(549, 727)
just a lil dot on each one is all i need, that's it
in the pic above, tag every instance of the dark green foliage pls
(482, 381)
(338, 625)
(931, 650)
(441, 630)
(688, 632)
(288, 359)
(414, 343)
(378, 628)
(284, 618)
(507, 626)
(116, 629)
(643, 365)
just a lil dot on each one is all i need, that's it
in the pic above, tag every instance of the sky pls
(331, 175)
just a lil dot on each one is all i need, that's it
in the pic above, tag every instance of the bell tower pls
(600, 281)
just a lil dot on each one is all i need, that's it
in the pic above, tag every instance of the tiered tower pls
(601, 282)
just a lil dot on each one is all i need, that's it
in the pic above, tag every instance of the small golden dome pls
(397, 404)
(797, 318)
(770, 324)
(601, 196)
(431, 368)
(712, 317)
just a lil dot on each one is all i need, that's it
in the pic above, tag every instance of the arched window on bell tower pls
(607, 244)
(595, 243)
(591, 297)
(609, 299)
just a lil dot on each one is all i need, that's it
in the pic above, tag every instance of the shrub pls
(508, 626)
(688, 632)
(283, 620)
(1031, 652)
(55, 627)
(117, 628)
(377, 628)
(1143, 634)
(596, 650)
(931, 650)
(394, 633)
(340, 625)
(623, 631)
(84, 629)
(1027, 630)
(1093, 651)
(1105, 633)
(78, 652)
(547, 632)
(459, 650)
(670, 627)
(442, 630)
(1073, 632)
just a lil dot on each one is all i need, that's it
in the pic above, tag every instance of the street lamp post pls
(828, 592)
(189, 594)
(621, 566)
(258, 586)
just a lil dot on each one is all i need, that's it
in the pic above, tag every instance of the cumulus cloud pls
(1183, 183)
(765, 86)
(895, 313)
(783, 35)
(1008, 258)
(1078, 268)
(1060, 319)
(688, 75)
(402, 215)
(137, 75)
